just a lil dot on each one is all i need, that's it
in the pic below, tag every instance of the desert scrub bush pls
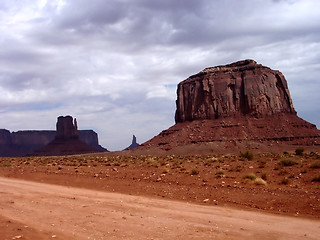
(284, 181)
(177, 164)
(194, 171)
(287, 162)
(316, 178)
(299, 151)
(260, 181)
(165, 170)
(247, 154)
(249, 176)
(315, 165)
(5, 164)
(219, 173)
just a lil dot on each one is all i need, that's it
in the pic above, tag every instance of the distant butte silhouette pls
(134, 144)
(66, 140)
(242, 105)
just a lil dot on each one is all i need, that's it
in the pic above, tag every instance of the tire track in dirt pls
(72, 213)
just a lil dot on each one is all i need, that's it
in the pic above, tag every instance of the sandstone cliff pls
(241, 88)
(242, 105)
(22, 143)
(66, 141)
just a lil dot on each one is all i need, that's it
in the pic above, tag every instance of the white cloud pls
(115, 64)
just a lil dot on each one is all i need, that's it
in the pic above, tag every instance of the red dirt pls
(57, 212)
(217, 181)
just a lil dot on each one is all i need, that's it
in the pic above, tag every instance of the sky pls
(115, 65)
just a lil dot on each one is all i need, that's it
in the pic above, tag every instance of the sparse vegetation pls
(287, 162)
(316, 178)
(299, 151)
(315, 165)
(5, 164)
(284, 181)
(249, 176)
(260, 181)
(194, 171)
(220, 173)
(247, 154)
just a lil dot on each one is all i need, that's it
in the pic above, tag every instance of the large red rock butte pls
(66, 141)
(239, 105)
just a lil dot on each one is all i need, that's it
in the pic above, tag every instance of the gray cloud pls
(115, 64)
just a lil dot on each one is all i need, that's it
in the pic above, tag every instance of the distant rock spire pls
(66, 128)
(134, 143)
(134, 140)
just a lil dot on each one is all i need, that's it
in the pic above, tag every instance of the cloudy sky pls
(115, 64)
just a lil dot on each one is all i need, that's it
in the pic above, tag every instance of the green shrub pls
(316, 178)
(247, 154)
(194, 171)
(287, 162)
(5, 164)
(249, 176)
(284, 181)
(315, 165)
(219, 173)
(299, 151)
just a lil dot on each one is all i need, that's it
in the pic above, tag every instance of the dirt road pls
(31, 210)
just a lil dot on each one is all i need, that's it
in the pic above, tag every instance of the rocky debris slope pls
(239, 105)
(66, 140)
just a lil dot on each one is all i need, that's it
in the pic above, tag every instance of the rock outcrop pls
(241, 88)
(134, 143)
(66, 128)
(66, 140)
(22, 143)
(242, 105)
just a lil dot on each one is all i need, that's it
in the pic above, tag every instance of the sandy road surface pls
(57, 212)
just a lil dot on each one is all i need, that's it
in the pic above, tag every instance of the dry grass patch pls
(260, 181)
(287, 162)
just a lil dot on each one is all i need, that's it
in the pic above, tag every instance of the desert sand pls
(31, 210)
(103, 196)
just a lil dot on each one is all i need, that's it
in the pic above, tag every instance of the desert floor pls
(102, 196)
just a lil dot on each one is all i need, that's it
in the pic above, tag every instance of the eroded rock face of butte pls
(242, 105)
(66, 140)
(241, 88)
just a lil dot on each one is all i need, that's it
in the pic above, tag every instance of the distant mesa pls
(66, 141)
(134, 144)
(22, 143)
(239, 105)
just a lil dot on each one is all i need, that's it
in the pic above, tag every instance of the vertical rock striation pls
(242, 105)
(240, 88)
(66, 128)
(66, 141)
